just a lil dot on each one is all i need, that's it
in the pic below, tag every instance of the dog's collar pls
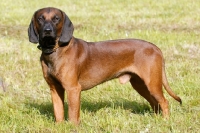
(54, 48)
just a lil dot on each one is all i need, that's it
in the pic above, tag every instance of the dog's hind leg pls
(155, 89)
(156, 92)
(139, 85)
(154, 85)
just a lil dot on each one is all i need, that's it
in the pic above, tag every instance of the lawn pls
(174, 26)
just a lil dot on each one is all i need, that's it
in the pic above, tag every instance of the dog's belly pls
(99, 75)
(88, 84)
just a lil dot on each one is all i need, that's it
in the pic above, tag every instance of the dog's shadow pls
(46, 109)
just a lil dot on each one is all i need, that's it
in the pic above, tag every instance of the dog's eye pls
(40, 19)
(56, 19)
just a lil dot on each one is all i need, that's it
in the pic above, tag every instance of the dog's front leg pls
(73, 97)
(57, 95)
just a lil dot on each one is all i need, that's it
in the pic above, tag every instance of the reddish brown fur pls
(82, 65)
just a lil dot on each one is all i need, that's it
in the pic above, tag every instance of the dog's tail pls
(167, 87)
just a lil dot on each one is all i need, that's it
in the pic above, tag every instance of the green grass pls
(174, 26)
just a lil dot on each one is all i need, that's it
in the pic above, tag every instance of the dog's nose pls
(48, 30)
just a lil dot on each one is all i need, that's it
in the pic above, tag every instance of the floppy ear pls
(32, 33)
(67, 30)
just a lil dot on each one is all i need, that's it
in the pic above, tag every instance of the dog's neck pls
(49, 51)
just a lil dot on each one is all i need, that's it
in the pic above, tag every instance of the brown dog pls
(73, 65)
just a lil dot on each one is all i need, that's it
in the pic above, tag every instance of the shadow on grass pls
(134, 107)
(46, 109)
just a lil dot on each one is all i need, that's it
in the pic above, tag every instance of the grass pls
(174, 26)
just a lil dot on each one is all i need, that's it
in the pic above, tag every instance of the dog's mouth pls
(48, 42)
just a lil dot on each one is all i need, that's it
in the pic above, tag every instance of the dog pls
(74, 65)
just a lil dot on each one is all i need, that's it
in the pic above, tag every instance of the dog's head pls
(48, 25)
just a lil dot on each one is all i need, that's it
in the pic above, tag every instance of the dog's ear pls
(67, 30)
(32, 33)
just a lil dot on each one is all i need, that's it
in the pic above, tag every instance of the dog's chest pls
(52, 70)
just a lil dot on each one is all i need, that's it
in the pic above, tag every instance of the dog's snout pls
(48, 28)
